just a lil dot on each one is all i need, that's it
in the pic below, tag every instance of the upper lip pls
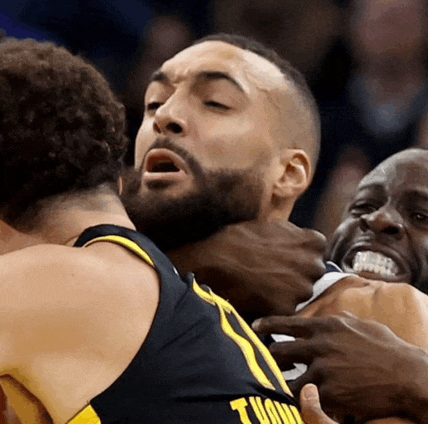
(162, 154)
(362, 246)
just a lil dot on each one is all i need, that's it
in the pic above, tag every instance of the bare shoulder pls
(91, 294)
(57, 268)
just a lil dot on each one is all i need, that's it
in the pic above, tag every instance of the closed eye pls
(153, 105)
(216, 105)
(359, 209)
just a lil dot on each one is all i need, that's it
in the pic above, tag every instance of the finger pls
(287, 353)
(319, 240)
(311, 407)
(293, 326)
(297, 384)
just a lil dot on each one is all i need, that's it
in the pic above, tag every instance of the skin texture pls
(389, 215)
(210, 118)
(42, 340)
(312, 412)
(401, 307)
(262, 268)
(343, 356)
(311, 408)
(222, 125)
(66, 315)
(216, 108)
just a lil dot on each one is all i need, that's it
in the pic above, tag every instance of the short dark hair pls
(61, 127)
(290, 74)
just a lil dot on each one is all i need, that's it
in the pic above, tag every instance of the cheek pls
(145, 138)
(420, 243)
(343, 236)
(240, 145)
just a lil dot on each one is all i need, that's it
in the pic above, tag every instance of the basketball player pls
(96, 322)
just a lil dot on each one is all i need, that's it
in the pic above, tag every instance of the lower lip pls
(165, 177)
(374, 276)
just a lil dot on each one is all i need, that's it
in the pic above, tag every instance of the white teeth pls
(374, 262)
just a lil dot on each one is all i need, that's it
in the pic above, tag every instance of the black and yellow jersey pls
(200, 363)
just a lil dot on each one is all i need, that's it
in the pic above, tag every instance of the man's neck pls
(63, 220)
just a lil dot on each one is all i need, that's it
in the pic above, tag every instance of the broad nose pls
(170, 118)
(385, 220)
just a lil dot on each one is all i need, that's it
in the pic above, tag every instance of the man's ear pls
(296, 174)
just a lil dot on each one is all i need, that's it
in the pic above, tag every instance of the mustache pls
(167, 143)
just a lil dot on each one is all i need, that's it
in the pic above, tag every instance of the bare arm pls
(262, 268)
(71, 312)
(400, 306)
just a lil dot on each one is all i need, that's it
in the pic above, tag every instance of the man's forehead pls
(248, 67)
(407, 167)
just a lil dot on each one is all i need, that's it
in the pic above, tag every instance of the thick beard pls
(224, 197)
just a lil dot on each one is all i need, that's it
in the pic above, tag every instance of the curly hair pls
(61, 127)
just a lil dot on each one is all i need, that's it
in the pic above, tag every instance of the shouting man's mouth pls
(166, 167)
(370, 263)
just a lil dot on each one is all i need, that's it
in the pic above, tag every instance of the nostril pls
(392, 230)
(156, 128)
(174, 128)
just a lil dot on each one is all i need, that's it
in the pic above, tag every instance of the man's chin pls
(177, 212)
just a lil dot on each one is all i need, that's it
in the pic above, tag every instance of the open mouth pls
(375, 265)
(163, 168)
(375, 262)
(164, 161)
(161, 163)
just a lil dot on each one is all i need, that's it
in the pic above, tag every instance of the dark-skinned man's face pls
(384, 234)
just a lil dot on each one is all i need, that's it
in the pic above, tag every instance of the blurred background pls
(365, 60)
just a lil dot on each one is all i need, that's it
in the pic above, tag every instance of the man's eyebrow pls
(218, 75)
(159, 76)
(370, 185)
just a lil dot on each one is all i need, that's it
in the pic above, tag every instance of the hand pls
(360, 367)
(310, 407)
(260, 267)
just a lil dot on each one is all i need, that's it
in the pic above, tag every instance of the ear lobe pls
(296, 175)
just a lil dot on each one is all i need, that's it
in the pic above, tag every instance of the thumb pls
(311, 407)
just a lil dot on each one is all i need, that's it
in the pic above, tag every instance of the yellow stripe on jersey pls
(131, 245)
(247, 350)
(264, 351)
(86, 416)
